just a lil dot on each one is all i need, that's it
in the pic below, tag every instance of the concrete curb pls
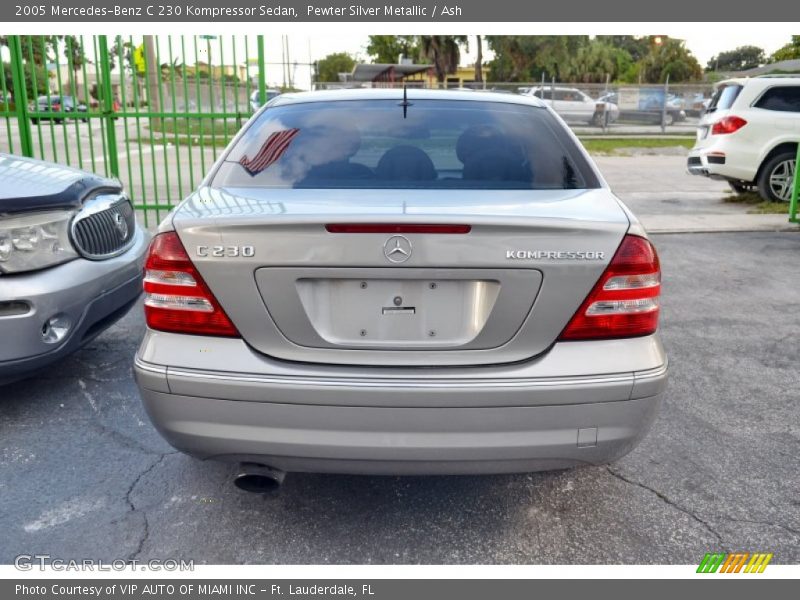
(716, 223)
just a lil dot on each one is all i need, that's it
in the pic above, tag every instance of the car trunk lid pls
(301, 285)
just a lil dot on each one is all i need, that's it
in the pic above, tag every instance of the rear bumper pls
(724, 159)
(401, 441)
(416, 421)
(707, 165)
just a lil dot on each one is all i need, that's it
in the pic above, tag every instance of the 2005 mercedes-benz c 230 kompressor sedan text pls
(381, 282)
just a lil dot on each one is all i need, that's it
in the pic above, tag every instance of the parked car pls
(749, 134)
(71, 258)
(650, 109)
(375, 282)
(255, 102)
(116, 106)
(575, 106)
(57, 105)
(697, 104)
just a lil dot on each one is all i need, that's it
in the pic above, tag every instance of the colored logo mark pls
(737, 562)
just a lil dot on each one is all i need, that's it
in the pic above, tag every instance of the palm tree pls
(479, 61)
(443, 51)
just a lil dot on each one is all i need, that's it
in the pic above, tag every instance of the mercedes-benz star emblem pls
(397, 249)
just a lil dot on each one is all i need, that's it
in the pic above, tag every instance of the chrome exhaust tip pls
(258, 479)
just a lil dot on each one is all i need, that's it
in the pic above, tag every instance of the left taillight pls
(625, 301)
(728, 125)
(176, 297)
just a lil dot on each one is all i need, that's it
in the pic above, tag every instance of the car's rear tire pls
(777, 176)
(669, 119)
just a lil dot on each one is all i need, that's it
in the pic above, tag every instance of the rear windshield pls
(724, 97)
(425, 144)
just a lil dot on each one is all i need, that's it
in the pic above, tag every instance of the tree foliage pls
(573, 58)
(73, 52)
(328, 68)
(669, 58)
(37, 48)
(597, 60)
(32, 92)
(443, 52)
(636, 47)
(389, 48)
(122, 53)
(790, 51)
(738, 59)
(527, 57)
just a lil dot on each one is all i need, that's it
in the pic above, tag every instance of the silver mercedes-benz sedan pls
(381, 282)
(71, 261)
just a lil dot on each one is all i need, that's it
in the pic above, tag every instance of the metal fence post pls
(108, 106)
(664, 106)
(262, 73)
(795, 189)
(605, 104)
(20, 95)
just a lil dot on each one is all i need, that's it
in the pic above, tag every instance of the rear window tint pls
(724, 97)
(783, 99)
(426, 144)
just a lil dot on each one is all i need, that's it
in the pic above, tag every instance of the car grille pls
(104, 228)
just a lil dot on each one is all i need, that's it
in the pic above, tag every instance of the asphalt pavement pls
(83, 474)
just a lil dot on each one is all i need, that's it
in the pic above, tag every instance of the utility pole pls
(288, 62)
(283, 60)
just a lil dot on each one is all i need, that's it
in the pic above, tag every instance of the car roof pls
(397, 94)
(764, 81)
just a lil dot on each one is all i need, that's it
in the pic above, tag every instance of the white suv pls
(749, 135)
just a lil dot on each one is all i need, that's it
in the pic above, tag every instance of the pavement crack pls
(791, 530)
(119, 437)
(142, 539)
(669, 502)
(145, 521)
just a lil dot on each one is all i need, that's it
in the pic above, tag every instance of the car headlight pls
(35, 241)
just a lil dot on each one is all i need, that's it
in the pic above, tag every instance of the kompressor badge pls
(554, 255)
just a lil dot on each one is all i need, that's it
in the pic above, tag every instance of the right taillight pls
(729, 124)
(176, 297)
(625, 301)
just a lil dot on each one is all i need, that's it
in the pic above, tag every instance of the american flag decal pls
(271, 150)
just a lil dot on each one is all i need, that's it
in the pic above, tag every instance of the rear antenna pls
(405, 103)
